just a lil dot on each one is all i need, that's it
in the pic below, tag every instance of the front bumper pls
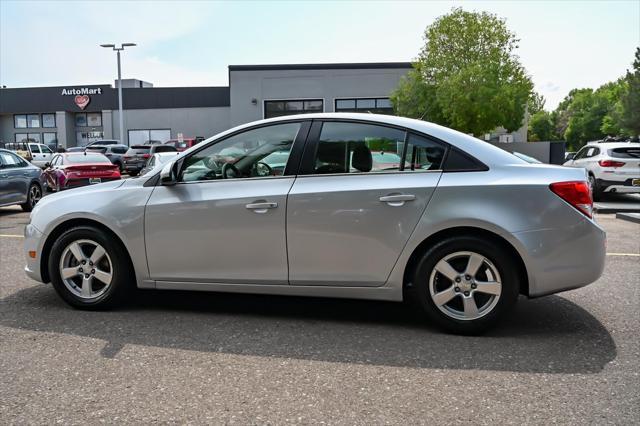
(563, 259)
(33, 241)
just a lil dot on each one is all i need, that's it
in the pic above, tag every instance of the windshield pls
(89, 158)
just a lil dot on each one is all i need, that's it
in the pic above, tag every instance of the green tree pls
(467, 75)
(630, 99)
(541, 127)
(536, 103)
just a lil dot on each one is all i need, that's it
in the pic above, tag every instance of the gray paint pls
(547, 152)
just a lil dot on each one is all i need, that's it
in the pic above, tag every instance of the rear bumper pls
(563, 259)
(76, 183)
(622, 185)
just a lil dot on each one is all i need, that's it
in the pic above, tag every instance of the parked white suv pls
(611, 166)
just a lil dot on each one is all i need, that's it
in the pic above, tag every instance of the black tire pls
(501, 259)
(596, 191)
(120, 166)
(133, 173)
(123, 276)
(34, 194)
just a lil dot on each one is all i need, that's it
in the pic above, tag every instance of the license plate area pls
(635, 182)
(94, 180)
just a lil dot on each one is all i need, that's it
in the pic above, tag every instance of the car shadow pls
(549, 335)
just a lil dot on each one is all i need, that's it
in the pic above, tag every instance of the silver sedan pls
(333, 205)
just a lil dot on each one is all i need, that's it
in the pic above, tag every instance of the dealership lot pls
(220, 358)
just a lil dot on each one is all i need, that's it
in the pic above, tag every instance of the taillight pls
(126, 157)
(576, 193)
(146, 155)
(610, 163)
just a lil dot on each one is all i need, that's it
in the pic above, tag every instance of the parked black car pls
(136, 158)
(20, 181)
(115, 153)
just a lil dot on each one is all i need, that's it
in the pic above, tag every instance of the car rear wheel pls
(464, 284)
(88, 269)
(596, 192)
(33, 196)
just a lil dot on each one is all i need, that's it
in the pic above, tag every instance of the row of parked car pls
(27, 170)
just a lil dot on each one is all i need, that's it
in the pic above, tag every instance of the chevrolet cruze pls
(447, 221)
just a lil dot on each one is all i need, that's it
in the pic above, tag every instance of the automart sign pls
(82, 91)
(82, 98)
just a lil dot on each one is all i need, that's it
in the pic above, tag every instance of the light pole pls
(118, 49)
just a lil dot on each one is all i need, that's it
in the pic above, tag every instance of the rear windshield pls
(625, 152)
(165, 148)
(89, 158)
(139, 149)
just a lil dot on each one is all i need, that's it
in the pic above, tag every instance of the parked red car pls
(185, 144)
(74, 169)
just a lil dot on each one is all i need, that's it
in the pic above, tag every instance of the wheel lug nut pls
(466, 293)
(457, 289)
(458, 280)
(90, 263)
(473, 286)
(80, 270)
(86, 275)
(84, 262)
(93, 271)
(467, 277)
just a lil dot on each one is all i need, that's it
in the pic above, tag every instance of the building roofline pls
(330, 66)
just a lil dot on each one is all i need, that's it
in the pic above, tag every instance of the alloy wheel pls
(465, 285)
(35, 194)
(86, 269)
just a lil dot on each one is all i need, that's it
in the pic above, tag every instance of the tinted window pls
(625, 152)
(243, 155)
(88, 158)
(423, 154)
(139, 149)
(164, 148)
(358, 148)
(458, 161)
(119, 149)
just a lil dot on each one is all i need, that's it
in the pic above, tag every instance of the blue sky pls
(44, 43)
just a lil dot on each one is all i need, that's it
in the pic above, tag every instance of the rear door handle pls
(261, 207)
(397, 200)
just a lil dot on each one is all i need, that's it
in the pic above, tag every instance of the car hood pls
(75, 192)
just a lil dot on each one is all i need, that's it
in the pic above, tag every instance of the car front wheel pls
(464, 284)
(88, 269)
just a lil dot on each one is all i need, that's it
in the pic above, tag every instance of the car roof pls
(483, 151)
(167, 153)
(621, 145)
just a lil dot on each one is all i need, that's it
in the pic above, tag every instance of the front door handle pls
(397, 200)
(261, 207)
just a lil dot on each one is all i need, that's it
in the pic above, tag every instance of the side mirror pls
(570, 157)
(169, 174)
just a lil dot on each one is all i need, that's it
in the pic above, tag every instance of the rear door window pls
(625, 152)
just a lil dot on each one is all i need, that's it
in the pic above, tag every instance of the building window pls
(94, 119)
(28, 137)
(33, 120)
(291, 107)
(50, 139)
(148, 136)
(20, 121)
(373, 105)
(81, 119)
(83, 138)
(48, 120)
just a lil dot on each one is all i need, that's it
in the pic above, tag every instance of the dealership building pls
(70, 116)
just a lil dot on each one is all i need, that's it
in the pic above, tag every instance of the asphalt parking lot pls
(220, 358)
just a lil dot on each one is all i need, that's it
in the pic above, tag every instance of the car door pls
(14, 179)
(50, 173)
(36, 155)
(352, 211)
(46, 153)
(224, 221)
